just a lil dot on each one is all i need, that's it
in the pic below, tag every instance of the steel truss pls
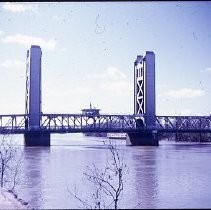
(13, 123)
(183, 123)
(85, 123)
(70, 123)
(139, 88)
(73, 123)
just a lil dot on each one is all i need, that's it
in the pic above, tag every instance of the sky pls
(89, 48)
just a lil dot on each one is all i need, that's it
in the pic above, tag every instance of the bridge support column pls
(143, 138)
(37, 138)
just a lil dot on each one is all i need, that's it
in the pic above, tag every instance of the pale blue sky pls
(89, 49)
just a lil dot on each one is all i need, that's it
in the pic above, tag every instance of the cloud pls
(185, 93)
(115, 81)
(12, 64)
(208, 69)
(83, 90)
(30, 40)
(118, 87)
(111, 73)
(55, 17)
(17, 7)
(114, 73)
(1, 32)
(188, 112)
(63, 49)
(161, 85)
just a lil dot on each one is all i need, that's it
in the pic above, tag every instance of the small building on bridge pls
(91, 111)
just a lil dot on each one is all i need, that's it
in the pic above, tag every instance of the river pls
(172, 175)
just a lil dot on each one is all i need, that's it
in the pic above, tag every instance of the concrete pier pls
(143, 138)
(37, 138)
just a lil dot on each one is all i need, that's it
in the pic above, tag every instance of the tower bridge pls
(142, 127)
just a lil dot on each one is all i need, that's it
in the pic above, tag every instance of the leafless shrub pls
(10, 161)
(108, 183)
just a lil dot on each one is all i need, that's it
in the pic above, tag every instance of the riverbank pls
(9, 201)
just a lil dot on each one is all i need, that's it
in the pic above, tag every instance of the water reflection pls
(36, 159)
(143, 170)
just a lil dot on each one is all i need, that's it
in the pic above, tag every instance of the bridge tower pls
(144, 88)
(34, 135)
(144, 100)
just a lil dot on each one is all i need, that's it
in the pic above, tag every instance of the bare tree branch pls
(9, 163)
(84, 203)
(108, 183)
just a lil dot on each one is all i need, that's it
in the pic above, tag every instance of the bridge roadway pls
(76, 123)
